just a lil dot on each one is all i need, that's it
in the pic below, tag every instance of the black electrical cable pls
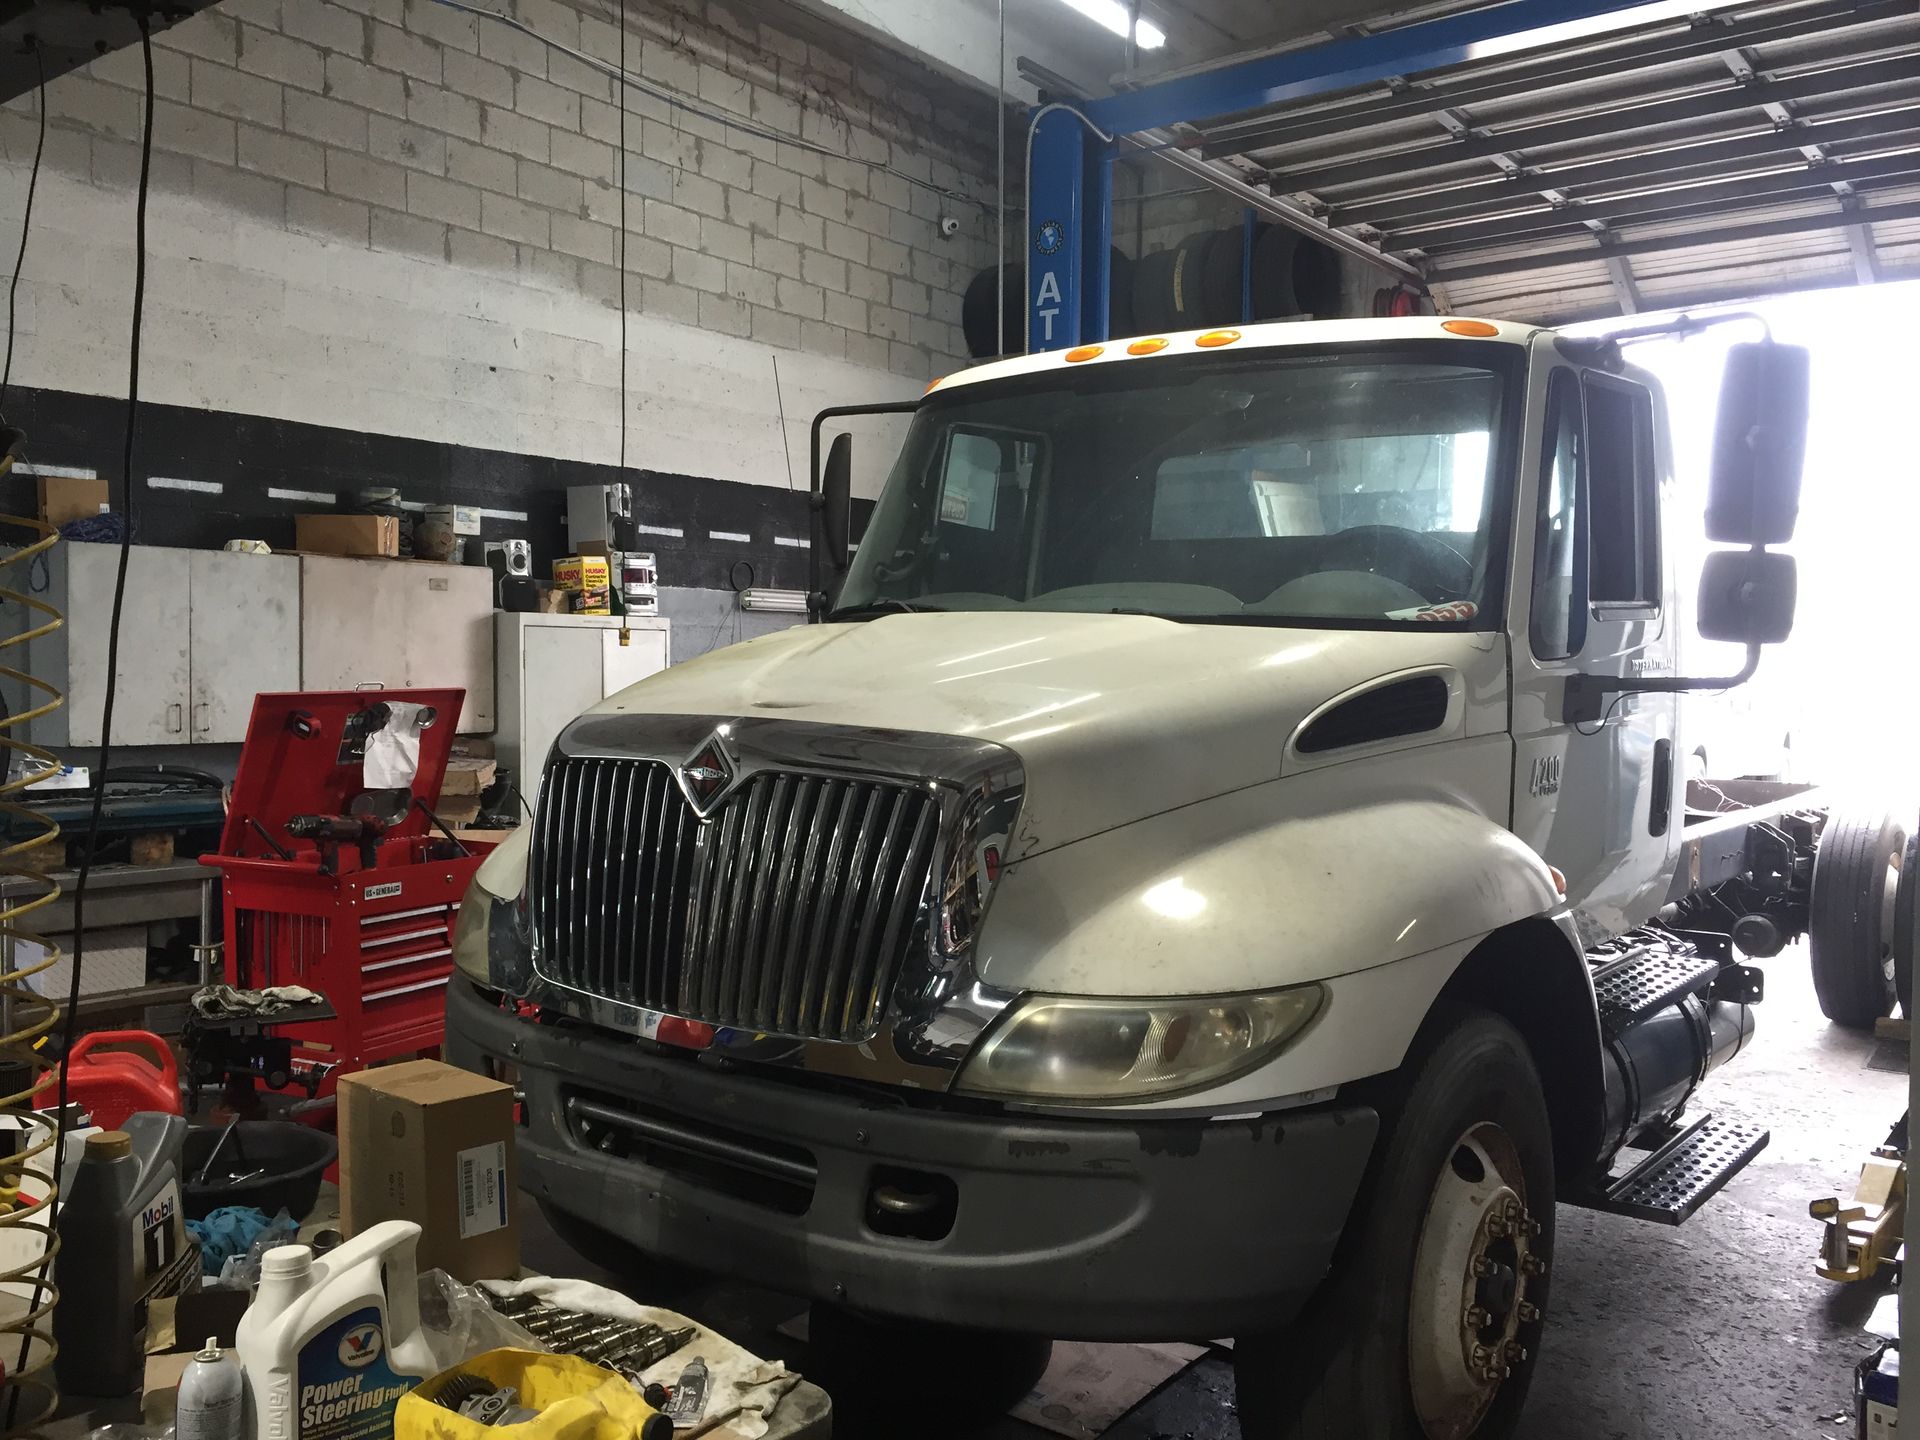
(621, 259)
(113, 651)
(26, 222)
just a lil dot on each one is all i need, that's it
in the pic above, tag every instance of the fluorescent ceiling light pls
(1113, 15)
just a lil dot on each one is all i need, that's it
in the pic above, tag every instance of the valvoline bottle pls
(330, 1345)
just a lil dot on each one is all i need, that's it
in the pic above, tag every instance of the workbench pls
(125, 895)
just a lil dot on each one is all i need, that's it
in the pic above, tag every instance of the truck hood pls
(1114, 717)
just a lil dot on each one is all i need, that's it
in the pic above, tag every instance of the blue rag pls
(230, 1230)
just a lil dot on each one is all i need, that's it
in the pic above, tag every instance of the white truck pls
(1219, 866)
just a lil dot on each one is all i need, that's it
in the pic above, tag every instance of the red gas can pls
(113, 1084)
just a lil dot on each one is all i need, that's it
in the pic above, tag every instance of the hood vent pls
(1400, 707)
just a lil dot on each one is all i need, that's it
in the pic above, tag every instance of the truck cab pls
(1203, 874)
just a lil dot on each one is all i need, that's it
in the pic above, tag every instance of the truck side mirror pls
(836, 503)
(1747, 596)
(1759, 444)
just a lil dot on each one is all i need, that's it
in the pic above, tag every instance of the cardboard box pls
(588, 581)
(427, 1142)
(347, 534)
(459, 810)
(63, 499)
(467, 777)
(482, 837)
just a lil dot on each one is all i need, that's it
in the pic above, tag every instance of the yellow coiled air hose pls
(27, 1239)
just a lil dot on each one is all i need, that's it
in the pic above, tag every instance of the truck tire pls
(1850, 917)
(1906, 926)
(1429, 1324)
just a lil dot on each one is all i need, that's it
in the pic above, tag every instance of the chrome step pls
(1683, 1174)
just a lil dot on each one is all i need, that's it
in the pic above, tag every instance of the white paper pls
(393, 753)
(483, 1189)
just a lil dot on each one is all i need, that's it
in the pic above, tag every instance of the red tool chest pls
(349, 891)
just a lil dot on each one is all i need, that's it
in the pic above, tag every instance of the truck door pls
(1598, 801)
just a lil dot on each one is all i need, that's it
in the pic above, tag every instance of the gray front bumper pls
(1087, 1229)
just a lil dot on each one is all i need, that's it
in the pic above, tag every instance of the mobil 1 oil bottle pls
(123, 1243)
(330, 1345)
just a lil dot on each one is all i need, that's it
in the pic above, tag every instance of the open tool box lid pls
(303, 755)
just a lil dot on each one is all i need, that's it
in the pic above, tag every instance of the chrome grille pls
(789, 909)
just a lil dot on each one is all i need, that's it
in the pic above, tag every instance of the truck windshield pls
(1357, 488)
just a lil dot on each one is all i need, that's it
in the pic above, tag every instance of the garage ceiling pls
(1678, 157)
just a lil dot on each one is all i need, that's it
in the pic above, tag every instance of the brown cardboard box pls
(482, 837)
(459, 810)
(63, 498)
(347, 534)
(427, 1142)
(468, 777)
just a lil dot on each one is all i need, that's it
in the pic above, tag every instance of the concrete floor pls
(1718, 1328)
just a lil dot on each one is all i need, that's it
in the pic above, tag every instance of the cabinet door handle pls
(175, 717)
(199, 716)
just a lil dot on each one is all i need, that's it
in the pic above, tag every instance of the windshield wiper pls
(882, 605)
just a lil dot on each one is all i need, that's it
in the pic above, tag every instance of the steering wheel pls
(1413, 557)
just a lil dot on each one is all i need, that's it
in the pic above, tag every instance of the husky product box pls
(588, 579)
(431, 1143)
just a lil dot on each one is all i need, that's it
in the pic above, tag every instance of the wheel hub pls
(1473, 1270)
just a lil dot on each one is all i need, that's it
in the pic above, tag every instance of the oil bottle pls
(123, 1242)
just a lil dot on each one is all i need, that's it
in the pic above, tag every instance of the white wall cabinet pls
(389, 624)
(552, 667)
(200, 632)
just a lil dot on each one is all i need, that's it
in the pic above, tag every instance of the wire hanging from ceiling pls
(620, 260)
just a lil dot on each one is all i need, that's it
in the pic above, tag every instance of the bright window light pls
(1113, 15)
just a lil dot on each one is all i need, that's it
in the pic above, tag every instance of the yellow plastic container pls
(577, 1400)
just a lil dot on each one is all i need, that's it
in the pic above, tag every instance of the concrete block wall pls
(395, 216)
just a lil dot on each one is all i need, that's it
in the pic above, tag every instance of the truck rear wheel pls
(1851, 916)
(1428, 1326)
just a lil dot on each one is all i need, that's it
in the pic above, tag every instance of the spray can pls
(212, 1405)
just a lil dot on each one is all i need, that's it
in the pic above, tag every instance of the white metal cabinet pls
(155, 654)
(244, 632)
(200, 633)
(552, 667)
(393, 623)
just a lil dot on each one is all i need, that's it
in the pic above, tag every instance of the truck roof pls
(1272, 335)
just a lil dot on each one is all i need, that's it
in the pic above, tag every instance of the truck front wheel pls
(1429, 1324)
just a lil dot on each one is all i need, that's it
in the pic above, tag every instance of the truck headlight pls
(1096, 1051)
(490, 940)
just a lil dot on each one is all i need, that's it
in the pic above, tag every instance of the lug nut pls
(1482, 1268)
(1497, 1228)
(1529, 1312)
(1515, 1352)
(1478, 1318)
(1534, 1265)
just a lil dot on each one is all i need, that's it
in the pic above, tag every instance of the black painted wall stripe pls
(249, 454)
